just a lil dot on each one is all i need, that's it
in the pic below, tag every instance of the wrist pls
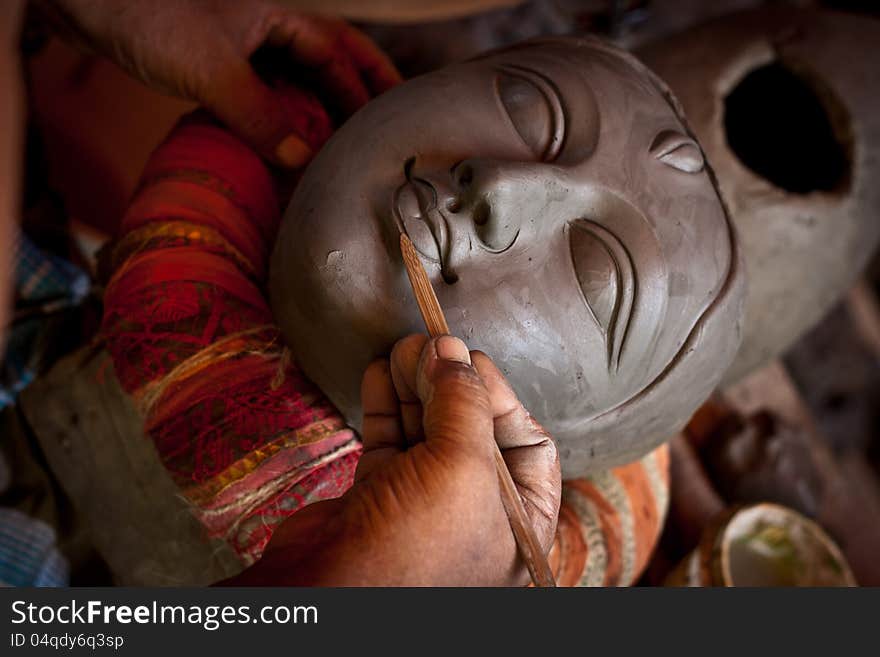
(311, 548)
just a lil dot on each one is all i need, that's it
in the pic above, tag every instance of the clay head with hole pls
(785, 104)
(568, 221)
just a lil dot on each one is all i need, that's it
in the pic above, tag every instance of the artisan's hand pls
(425, 508)
(200, 50)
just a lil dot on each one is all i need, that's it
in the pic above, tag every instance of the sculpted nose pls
(485, 195)
(477, 176)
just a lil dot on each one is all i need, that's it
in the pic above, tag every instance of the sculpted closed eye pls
(533, 107)
(606, 276)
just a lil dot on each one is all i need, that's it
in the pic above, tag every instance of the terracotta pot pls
(786, 104)
(763, 545)
(609, 523)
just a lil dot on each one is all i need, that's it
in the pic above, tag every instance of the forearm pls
(314, 547)
(332, 543)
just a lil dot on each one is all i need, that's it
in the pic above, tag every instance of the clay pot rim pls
(722, 543)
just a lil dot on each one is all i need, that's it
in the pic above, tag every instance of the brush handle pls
(523, 532)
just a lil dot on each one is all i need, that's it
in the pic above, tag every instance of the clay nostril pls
(465, 176)
(453, 205)
(450, 278)
(481, 213)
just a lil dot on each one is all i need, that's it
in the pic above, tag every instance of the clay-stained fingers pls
(404, 364)
(528, 450)
(382, 431)
(514, 426)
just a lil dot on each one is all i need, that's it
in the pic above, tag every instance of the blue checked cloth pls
(44, 285)
(29, 555)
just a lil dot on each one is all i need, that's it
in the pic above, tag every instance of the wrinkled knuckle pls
(469, 466)
(548, 450)
(461, 423)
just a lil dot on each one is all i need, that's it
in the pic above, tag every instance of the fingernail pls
(451, 348)
(293, 152)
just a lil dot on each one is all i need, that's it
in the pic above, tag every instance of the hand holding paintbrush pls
(433, 502)
(523, 531)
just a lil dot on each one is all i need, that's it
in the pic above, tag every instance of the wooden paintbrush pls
(523, 532)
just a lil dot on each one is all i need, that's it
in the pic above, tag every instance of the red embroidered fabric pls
(245, 435)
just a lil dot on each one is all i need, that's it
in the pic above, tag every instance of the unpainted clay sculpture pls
(786, 103)
(570, 226)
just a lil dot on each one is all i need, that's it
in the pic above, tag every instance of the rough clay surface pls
(801, 251)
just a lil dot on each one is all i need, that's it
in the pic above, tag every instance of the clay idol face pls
(570, 227)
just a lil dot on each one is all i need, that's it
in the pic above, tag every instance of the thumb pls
(285, 124)
(457, 411)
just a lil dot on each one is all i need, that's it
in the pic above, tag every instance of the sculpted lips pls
(417, 214)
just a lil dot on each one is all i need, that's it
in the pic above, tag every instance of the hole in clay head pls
(778, 126)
